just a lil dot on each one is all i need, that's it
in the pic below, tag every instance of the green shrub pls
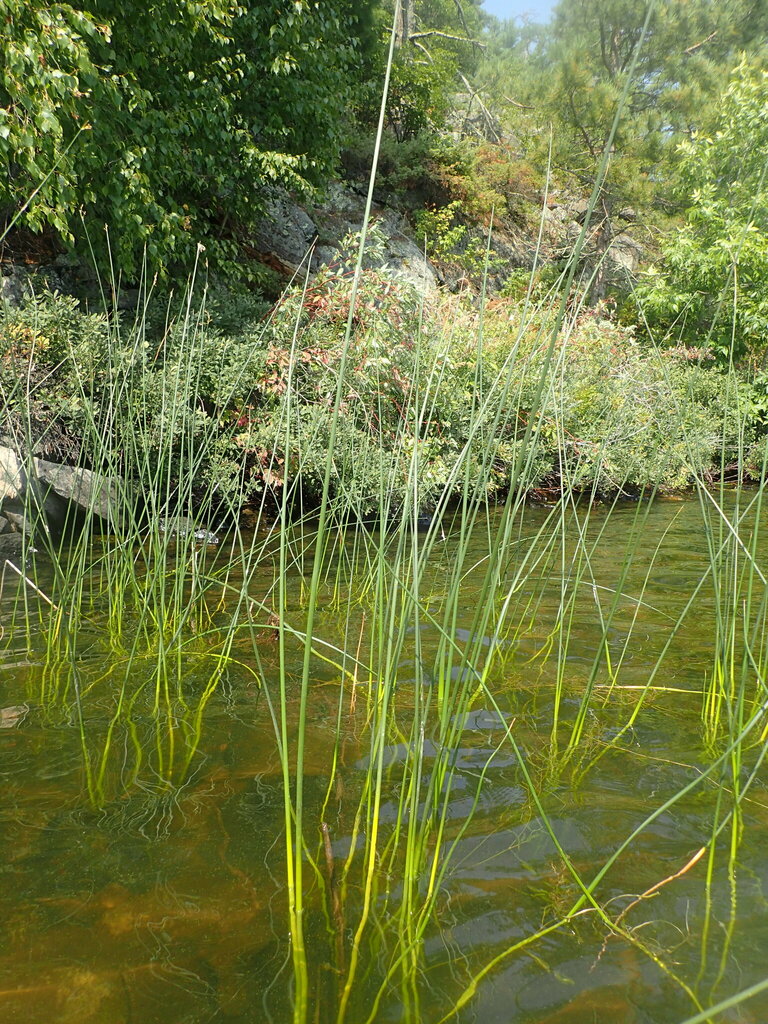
(250, 411)
(710, 286)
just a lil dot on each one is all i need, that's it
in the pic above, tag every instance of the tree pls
(578, 75)
(437, 43)
(166, 120)
(710, 288)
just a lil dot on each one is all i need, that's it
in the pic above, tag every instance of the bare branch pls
(520, 106)
(446, 35)
(490, 120)
(423, 49)
(698, 46)
(462, 19)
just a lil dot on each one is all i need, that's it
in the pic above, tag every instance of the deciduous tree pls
(165, 120)
(710, 288)
(437, 43)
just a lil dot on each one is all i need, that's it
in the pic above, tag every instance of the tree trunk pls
(404, 25)
(602, 242)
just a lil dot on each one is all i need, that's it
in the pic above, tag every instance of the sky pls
(537, 10)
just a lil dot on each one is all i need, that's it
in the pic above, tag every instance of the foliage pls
(540, 282)
(252, 397)
(38, 345)
(448, 241)
(503, 185)
(418, 94)
(563, 87)
(167, 127)
(436, 41)
(711, 285)
(620, 418)
(418, 172)
(588, 56)
(454, 191)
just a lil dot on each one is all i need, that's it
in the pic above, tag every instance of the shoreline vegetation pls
(236, 401)
(353, 400)
(606, 329)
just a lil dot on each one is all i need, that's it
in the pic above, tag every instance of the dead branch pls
(424, 50)
(665, 881)
(460, 12)
(520, 106)
(698, 46)
(490, 120)
(446, 35)
(29, 583)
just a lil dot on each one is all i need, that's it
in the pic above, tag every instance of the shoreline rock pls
(57, 493)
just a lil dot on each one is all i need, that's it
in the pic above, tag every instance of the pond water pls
(143, 862)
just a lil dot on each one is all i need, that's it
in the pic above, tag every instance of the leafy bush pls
(167, 127)
(249, 411)
(447, 241)
(436, 170)
(418, 94)
(622, 418)
(711, 284)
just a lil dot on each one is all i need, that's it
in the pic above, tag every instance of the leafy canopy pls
(165, 120)
(710, 287)
(436, 42)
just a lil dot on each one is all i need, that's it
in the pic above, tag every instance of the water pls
(159, 894)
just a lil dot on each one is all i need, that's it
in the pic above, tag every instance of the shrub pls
(250, 411)
(710, 287)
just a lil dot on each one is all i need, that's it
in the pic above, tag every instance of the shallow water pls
(159, 894)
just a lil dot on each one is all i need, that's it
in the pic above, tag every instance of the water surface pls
(159, 894)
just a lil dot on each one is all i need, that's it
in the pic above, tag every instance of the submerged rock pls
(183, 526)
(12, 716)
(11, 545)
(36, 495)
